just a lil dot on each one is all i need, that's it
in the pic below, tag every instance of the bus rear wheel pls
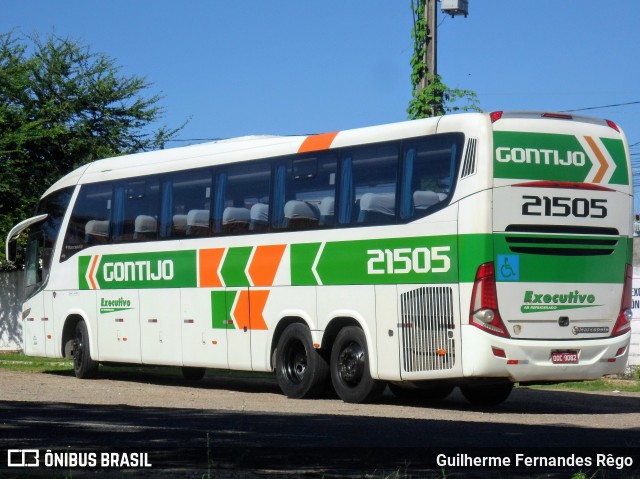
(301, 370)
(83, 366)
(350, 370)
(487, 394)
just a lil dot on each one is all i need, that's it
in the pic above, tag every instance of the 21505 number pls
(563, 206)
(409, 260)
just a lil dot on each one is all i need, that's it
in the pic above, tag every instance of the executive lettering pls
(573, 297)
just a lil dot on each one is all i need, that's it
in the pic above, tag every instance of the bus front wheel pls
(350, 371)
(83, 366)
(301, 370)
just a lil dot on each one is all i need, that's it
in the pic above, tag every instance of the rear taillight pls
(623, 324)
(483, 312)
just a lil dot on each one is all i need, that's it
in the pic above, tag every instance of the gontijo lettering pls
(540, 156)
(139, 270)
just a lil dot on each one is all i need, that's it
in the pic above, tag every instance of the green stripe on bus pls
(552, 157)
(543, 261)
(234, 266)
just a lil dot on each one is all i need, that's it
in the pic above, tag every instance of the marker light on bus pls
(623, 324)
(557, 116)
(495, 116)
(484, 312)
(613, 125)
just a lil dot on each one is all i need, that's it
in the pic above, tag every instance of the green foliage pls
(62, 106)
(436, 98)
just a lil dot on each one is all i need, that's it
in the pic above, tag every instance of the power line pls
(603, 106)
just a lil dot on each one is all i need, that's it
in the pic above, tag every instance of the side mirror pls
(12, 250)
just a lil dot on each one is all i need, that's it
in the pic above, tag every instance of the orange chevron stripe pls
(92, 270)
(264, 264)
(241, 311)
(249, 308)
(209, 260)
(317, 142)
(258, 300)
(604, 166)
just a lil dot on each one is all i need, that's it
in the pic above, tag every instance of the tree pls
(436, 99)
(62, 106)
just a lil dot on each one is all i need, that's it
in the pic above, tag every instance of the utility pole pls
(431, 49)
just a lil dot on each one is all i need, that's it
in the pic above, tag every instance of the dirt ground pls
(224, 392)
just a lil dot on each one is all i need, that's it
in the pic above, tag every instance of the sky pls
(234, 68)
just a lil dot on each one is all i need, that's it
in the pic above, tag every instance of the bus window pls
(368, 186)
(89, 222)
(135, 216)
(242, 198)
(428, 174)
(308, 197)
(43, 237)
(186, 204)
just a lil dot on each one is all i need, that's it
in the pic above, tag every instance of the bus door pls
(33, 311)
(119, 325)
(160, 326)
(204, 326)
(237, 318)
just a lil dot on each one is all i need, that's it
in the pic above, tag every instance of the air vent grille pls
(469, 165)
(427, 329)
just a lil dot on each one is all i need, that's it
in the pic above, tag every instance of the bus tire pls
(486, 395)
(350, 370)
(83, 366)
(193, 374)
(301, 370)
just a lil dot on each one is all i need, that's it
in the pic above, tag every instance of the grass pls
(602, 384)
(18, 361)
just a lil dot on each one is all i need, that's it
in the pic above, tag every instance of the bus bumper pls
(485, 355)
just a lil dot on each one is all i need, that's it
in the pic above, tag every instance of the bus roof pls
(238, 149)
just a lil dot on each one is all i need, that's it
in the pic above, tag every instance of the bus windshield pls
(42, 239)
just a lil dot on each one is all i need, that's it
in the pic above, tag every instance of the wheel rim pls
(78, 348)
(295, 362)
(351, 364)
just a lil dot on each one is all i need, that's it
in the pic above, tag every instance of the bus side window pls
(136, 210)
(368, 186)
(90, 219)
(186, 204)
(428, 174)
(306, 192)
(242, 198)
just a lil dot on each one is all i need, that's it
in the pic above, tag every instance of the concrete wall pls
(10, 305)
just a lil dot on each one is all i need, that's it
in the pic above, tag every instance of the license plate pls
(564, 357)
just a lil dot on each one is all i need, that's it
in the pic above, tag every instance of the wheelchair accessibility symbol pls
(508, 267)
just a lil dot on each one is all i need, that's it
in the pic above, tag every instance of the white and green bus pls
(472, 251)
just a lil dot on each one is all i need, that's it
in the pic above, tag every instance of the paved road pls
(333, 438)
